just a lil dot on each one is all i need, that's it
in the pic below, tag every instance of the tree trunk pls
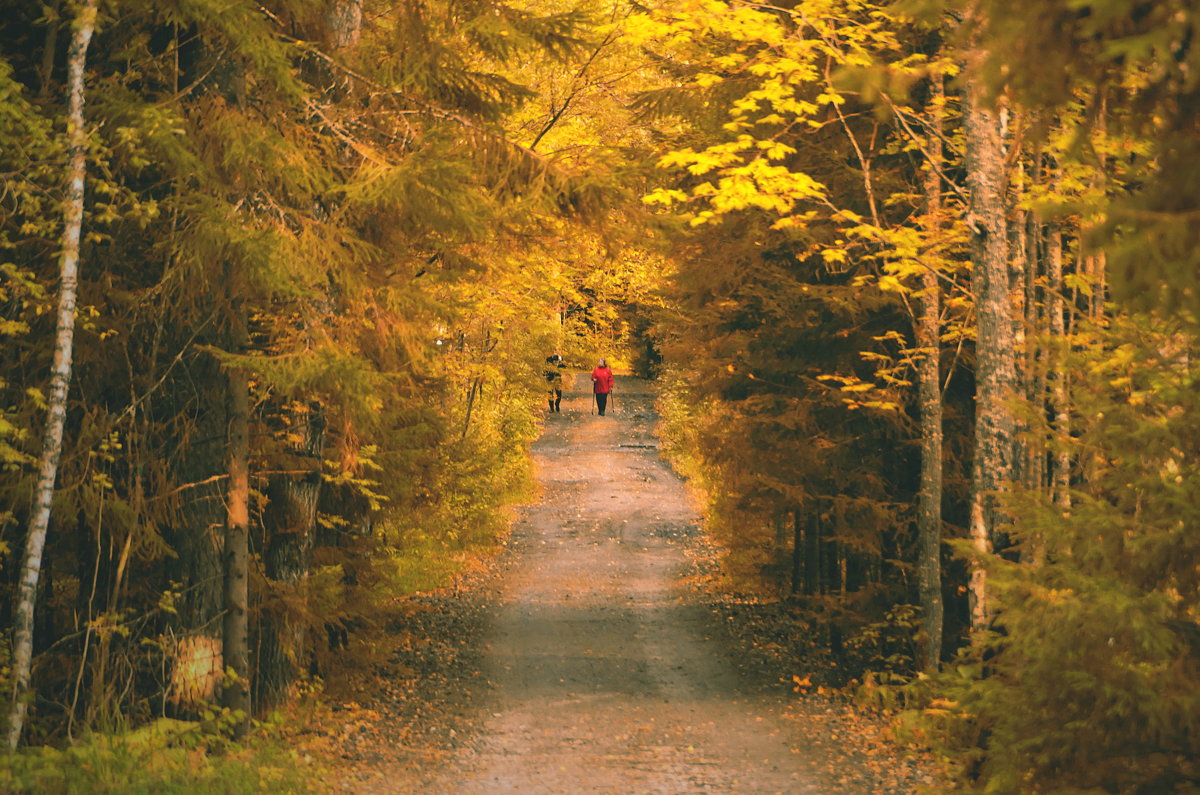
(291, 515)
(343, 24)
(1099, 258)
(476, 387)
(994, 370)
(1060, 473)
(1099, 283)
(46, 73)
(60, 378)
(235, 646)
(812, 551)
(200, 404)
(291, 520)
(1022, 374)
(797, 552)
(195, 405)
(1035, 463)
(929, 396)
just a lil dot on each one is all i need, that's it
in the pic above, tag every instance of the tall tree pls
(235, 626)
(1060, 464)
(994, 360)
(293, 495)
(929, 397)
(60, 376)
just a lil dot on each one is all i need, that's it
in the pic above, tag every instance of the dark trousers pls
(601, 402)
(555, 399)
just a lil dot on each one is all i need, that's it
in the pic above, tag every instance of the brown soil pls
(586, 659)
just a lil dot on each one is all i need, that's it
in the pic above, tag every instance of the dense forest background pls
(917, 279)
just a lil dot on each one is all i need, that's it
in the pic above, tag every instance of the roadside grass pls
(166, 756)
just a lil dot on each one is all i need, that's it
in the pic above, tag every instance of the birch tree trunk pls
(60, 378)
(994, 370)
(1018, 268)
(929, 396)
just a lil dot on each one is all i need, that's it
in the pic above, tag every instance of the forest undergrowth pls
(282, 283)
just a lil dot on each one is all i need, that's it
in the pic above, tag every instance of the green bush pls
(163, 757)
(1091, 680)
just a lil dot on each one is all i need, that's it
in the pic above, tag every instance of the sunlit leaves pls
(783, 58)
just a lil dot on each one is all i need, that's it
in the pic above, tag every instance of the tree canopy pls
(327, 247)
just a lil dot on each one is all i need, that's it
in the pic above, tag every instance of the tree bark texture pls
(200, 404)
(1035, 315)
(60, 378)
(291, 519)
(343, 24)
(1022, 375)
(46, 73)
(235, 628)
(797, 553)
(1060, 478)
(994, 369)
(340, 29)
(291, 514)
(929, 396)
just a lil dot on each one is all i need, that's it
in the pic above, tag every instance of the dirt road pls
(598, 668)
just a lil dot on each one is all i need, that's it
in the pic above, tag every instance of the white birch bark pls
(60, 378)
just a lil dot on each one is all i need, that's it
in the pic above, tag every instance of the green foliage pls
(1098, 644)
(1096, 632)
(781, 329)
(410, 223)
(1135, 69)
(30, 158)
(780, 67)
(164, 756)
(1088, 681)
(745, 407)
(394, 250)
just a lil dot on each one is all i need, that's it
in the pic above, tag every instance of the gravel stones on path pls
(586, 661)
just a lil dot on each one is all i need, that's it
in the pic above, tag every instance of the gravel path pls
(599, 668)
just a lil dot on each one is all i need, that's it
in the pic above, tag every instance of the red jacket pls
(602, 380)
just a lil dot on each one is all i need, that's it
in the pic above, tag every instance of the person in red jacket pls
(602, 384)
